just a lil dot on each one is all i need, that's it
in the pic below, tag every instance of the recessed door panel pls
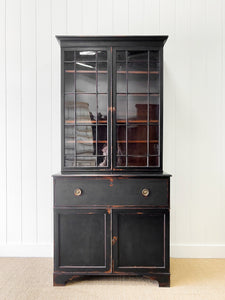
(140, 240)
(82, 239)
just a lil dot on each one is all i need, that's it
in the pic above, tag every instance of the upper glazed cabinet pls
(112, 96)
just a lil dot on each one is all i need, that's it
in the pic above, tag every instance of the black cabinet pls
(111, 201)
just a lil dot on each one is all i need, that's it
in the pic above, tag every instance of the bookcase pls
(111, 199)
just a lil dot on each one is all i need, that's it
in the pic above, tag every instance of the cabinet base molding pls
(62, 278)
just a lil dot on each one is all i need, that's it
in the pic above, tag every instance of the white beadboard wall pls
(194, 110)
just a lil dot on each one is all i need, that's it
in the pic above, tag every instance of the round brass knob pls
(77, 192)
(145, 192)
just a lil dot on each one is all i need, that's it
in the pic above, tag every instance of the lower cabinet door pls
(140, 240)
(82, 240)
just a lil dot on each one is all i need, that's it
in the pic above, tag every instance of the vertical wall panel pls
(74, 16)
(168, 27)
(136, 13)
(90, 17)
(152, 16)
(3, 106)
(13, 79)
(213, 102)
(44, 122)
(183, 138)
(120, 17)
(105, 17)
(29, 129)
(58, 27)
(222, 116)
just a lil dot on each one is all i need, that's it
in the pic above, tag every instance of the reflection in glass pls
(154, 161)
(85, 67)
(69, 77)
(86, 83)
(121, 108)
(86, 108)
(69, 56)
(154, 83)
(134, 161)
(137, 83)
(121, 77)
(154, 60)
(137, 108)
(102, 109)
(121, 139)
(86, 55)
(137, 55)
(137, 140)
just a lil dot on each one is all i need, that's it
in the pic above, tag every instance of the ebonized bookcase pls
(112, 198)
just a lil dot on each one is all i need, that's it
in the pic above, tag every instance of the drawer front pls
(111, 191)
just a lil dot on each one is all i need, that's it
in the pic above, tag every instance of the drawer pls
(111, 191)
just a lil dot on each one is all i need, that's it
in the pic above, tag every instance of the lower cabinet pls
(111, 241)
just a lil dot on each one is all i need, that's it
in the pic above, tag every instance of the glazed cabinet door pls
(86, 89)
(137, 97)
(82, 240)
(140, 240)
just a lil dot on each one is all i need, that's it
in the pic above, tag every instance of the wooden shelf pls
(138, 72)
(72, 122)
(139, 94)
(123, 122)
(137, 141)
(84, 71)
(87, 142)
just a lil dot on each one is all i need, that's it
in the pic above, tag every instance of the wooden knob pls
(77, 192)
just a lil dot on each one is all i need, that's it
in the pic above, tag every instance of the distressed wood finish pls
(113, 220)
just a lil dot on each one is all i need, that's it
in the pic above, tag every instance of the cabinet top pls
(159, 39)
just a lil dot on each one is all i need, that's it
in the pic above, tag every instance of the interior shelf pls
(72, 122)
(136, 121)
(138, 72)
(137, 141)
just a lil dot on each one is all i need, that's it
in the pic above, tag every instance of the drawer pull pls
(77, 192)
(145, 192)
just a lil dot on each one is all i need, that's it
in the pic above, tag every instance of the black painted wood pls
(111, 229)
(82, 239)
(140, 240)
(122, 191)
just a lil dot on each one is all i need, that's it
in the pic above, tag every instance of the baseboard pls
(14, 250)
(176, 250)
(197, 250)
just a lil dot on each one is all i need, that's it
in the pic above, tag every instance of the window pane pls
(86, 55)
(134, 161)
(121, 109)
(102, 109)
(137, 108)
(137, 55)
(86, 108)
(86, 83)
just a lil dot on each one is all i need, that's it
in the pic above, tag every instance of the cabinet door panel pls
(82, 239)
(137, 97)
(86, 119)
(140, 240)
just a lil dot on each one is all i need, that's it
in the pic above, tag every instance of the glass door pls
(137, 103)
(85, 130)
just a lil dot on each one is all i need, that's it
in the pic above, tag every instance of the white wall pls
(194, 124)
